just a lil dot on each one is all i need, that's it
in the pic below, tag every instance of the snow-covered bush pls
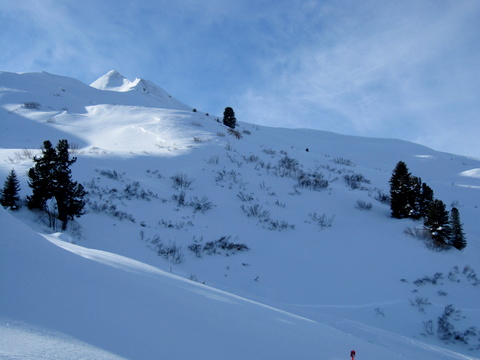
(31, 105)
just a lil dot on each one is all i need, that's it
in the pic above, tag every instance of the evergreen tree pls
(457, 237)
(400, 191)
(413, 195)
(9, 195)
(51, 178)
(41, 177)
(69, 194)
(229, 118)
(426, 198)
(437, 223)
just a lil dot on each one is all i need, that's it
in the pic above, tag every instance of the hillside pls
(320, 276)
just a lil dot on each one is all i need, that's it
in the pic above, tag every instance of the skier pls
(352, 354)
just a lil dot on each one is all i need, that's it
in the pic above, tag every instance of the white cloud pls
(379, 70)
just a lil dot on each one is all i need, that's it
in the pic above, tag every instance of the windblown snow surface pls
(321, 276)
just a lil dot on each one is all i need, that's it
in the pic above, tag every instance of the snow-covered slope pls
(320, 277)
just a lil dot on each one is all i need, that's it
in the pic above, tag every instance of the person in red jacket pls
(352, 354)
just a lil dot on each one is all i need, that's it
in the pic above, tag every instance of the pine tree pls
(229, 118)
(69, 194)
(426, 198)
(51, 178)
(437, 223)
(400, 191)
(414, 197)
(457, 237)
(9, 195)
(41, 177)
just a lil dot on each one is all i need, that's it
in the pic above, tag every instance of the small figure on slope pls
(352, 354)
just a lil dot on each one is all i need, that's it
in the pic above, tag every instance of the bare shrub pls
(182, 181)
(314, 181)
(257, 211)
(179, 198)
(322, 220)
(380, 196)
(245, 197)
(363, 205)
(179, 225)
(269, 151)
(74, 148)
(235, 133)
(171, 251)
(25, 154)
(287, 166)
(199, 140)
(251, 159)
(342, 161)
(200, 204)
(420, 303)
(355, 181)
(279, 225)
(111, 174)
(213, 160)
(223, 246)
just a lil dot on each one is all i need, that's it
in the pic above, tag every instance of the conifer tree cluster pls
(410, 198)
(51, 180)
(9, 195)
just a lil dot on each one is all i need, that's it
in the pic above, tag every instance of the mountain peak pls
(113, 81)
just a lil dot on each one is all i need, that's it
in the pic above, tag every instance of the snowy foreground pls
(305, 289)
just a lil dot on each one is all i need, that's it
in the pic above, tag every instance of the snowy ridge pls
(321, 276)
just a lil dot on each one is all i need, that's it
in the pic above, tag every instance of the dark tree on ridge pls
(229, 118)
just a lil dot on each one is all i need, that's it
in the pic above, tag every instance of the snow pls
(100, 290)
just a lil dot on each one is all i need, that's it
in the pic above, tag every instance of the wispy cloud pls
(403, 70)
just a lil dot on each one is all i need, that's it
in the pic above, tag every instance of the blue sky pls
(405, 69)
